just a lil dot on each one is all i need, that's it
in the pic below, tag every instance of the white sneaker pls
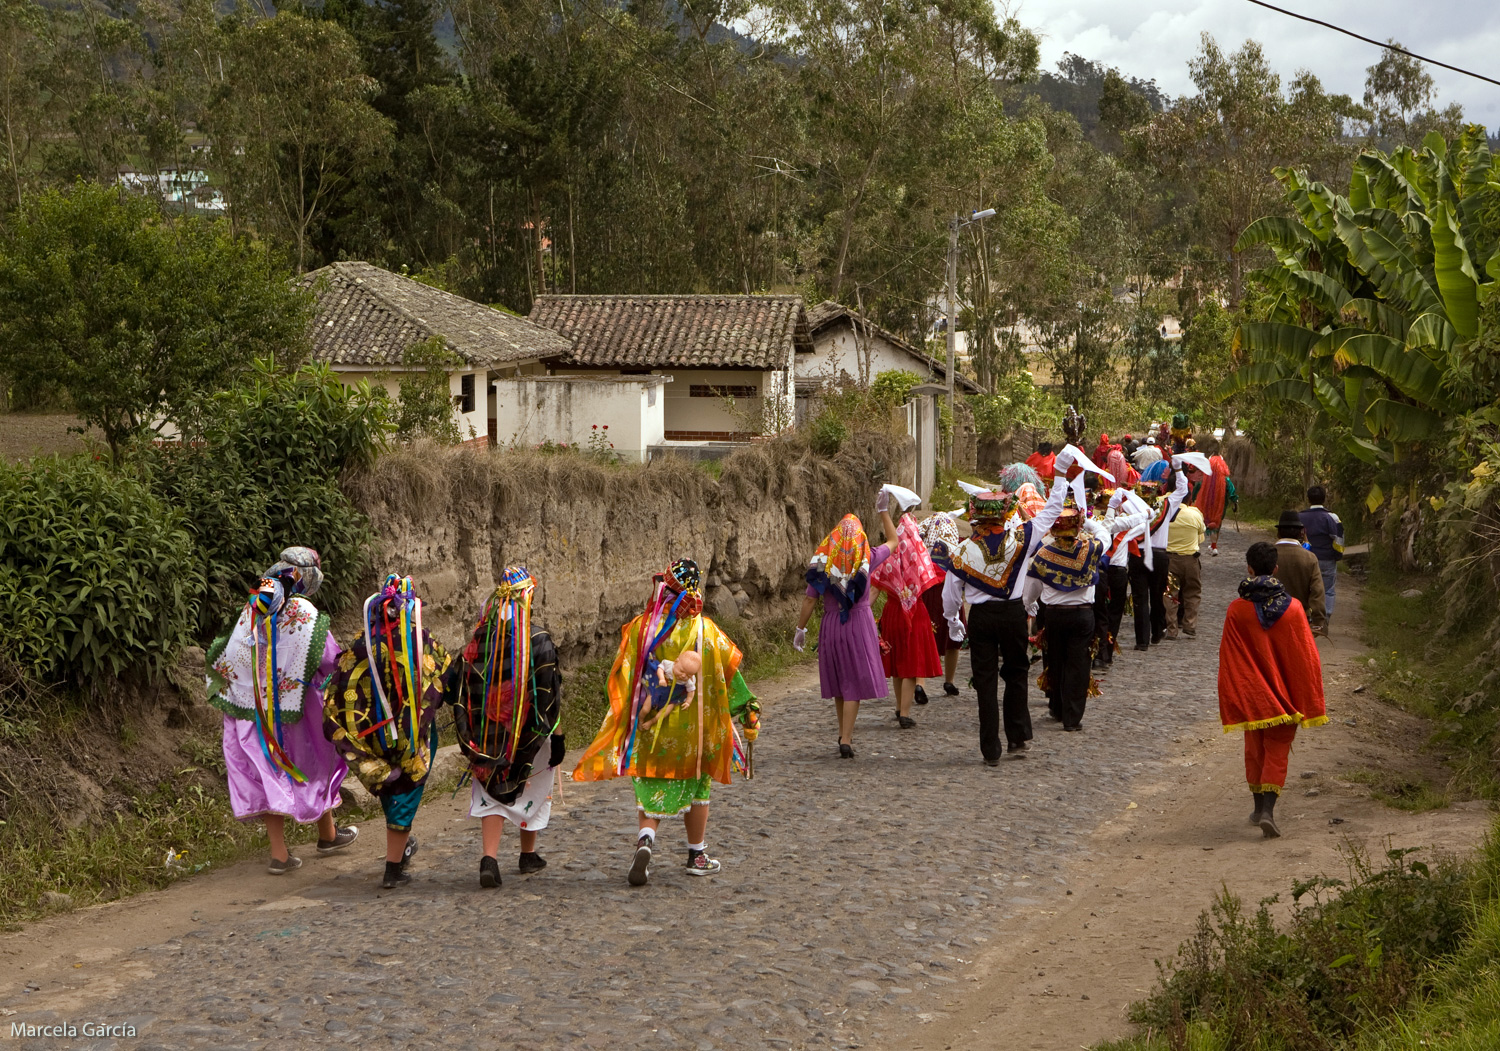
(640, 865)
(1215, 551)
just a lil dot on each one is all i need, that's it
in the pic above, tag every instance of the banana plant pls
(1376, 294)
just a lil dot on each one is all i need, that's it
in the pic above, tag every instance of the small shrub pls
(893, 387)
(829, 433)
(96, 573)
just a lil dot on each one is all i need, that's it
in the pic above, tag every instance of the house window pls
(466, 393)
(716, 390)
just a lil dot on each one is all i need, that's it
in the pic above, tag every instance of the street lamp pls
(956, 224)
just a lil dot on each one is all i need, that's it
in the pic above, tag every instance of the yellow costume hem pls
(1280, 720)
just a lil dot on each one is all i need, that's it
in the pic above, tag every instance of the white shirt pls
(1132, 502)
(1038, 589)
(1133, 524)
(957, 591)
(1174, 501)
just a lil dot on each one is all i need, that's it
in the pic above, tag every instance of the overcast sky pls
(1154, 39)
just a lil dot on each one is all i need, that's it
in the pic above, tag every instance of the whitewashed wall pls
(531, 410)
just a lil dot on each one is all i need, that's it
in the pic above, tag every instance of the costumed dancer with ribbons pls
(1270, 679)
(1060, 582)
(1149, 574)
(506, 694)
(265, 675)
(908, 650)
(849, 665)
(987, 574)
(381, 713)
(675, 693)
(940, 533)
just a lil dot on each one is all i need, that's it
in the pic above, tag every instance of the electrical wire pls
(1377, 43)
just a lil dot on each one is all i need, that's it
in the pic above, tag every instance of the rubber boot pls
(395, 875)
(1260, 807)
(1267, 816)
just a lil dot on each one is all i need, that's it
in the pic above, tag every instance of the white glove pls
(956, 630)
(1177, 462)
(1065, 459)
(799, 639)
(883, 500)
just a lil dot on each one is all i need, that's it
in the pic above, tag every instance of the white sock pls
(649, 833)
(697, 846)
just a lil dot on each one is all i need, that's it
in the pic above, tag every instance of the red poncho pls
(1042, 465)
(1212, 495)
(1269, 676)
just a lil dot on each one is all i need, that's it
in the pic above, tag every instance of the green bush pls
(1346, 961)
(259, 470)
(97, 576)
(893, 386)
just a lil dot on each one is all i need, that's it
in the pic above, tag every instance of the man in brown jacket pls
(1297, 569)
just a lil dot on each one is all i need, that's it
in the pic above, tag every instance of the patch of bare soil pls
(24, 435)
(1065, 979)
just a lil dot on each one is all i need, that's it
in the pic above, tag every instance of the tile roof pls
(828, 313)
(757, 332)
(368, 316)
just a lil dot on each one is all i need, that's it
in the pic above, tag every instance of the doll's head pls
(688, 664)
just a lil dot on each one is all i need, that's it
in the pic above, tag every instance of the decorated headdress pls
(1012, 478)
(683, 575)
(501, 645)
(393, 642)
(991, 508)
(841, 565)
(1068, 523)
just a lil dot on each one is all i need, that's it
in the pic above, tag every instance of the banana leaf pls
(1288, 343)
(1277, 231)
(1456, 279)
(1400, 422)
(1410, 372)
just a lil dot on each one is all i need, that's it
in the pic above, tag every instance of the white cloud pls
(1156, 41)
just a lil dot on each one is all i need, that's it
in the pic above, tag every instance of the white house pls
(366, 319)
(732, 359)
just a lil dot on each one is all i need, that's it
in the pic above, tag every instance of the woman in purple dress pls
(266, 675)
(849, 662)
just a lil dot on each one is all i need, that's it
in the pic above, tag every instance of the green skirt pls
(667, 797)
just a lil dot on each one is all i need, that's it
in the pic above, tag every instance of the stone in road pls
(854, 893)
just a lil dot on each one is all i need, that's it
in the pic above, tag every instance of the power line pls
(1377, 43)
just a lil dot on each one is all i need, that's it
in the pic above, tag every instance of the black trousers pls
(997, 650)
(1140, 594)
(1114, 582)
(1070, 634)
(1161, 564)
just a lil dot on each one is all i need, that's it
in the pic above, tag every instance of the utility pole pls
(957, 223)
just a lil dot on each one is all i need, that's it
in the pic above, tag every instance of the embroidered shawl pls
(909, 570)
(1269, 597)
(238, 662)
(1067, 564)
(982, 560)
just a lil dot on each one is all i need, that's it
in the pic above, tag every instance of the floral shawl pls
(909, 570)
(940, 533)
(300, 633)
(842, 565)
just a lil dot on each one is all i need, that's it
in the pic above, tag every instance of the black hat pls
(1289, 524)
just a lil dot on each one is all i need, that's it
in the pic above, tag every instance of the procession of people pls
(1037, 569)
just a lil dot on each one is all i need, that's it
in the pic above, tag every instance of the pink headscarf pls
(909, 570)
(1120, 468)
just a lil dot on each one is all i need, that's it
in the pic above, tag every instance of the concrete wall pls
(593, 535)
(532, 410)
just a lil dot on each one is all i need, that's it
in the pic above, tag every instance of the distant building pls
(181, 189)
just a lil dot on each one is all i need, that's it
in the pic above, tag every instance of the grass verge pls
(1400, 955)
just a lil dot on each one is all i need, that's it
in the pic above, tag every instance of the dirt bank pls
(594, 534)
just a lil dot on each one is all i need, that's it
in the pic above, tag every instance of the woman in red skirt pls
(907, 646)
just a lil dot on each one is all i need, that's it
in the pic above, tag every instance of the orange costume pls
(1270, 678)
(1042, 464)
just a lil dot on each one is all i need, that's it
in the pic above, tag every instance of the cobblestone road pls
(853, 896)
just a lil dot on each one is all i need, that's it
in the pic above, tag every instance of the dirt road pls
(910, 898)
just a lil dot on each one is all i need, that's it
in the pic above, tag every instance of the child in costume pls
(673, 745)
(264, 676)
(507, 697)
(908, 650)
(381, 713)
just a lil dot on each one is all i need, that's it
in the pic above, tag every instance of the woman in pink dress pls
(266, 676)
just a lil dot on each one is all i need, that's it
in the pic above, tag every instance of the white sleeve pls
(953, 596)
(1031, 593)
(1048, 514)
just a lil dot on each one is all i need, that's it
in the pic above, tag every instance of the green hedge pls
(97, 576)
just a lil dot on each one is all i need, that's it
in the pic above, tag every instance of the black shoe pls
(489, 872)
(1268, 816)
(846, 751)
(395, 875)
(921, 696)
(1073, 729)
(1259, 809)
(905, 722)
(1099, 665)
(640, 864)
(1142, 646)
(992, 762)
(532, 862)
(1016, 751)
(342, 837)
(950, 689)
(1156, 639)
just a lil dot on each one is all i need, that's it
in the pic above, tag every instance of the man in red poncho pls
(1270, 679)
(1042, 461)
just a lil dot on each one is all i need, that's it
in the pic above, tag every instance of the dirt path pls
(1063, 978)
(912, 898)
